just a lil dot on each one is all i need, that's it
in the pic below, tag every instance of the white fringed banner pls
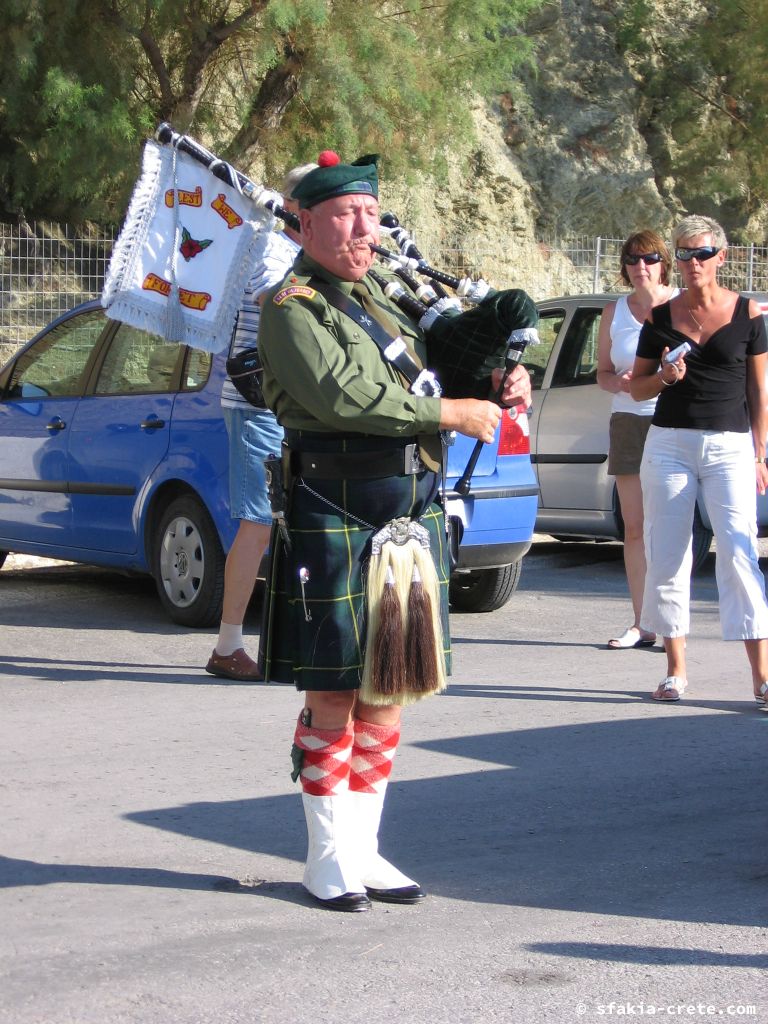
(185, 252)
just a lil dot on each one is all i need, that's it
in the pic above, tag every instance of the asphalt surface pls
(589, 854)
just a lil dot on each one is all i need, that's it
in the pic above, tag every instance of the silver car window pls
(537, 357)
(577, 362)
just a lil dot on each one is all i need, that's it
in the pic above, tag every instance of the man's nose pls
(365, 224)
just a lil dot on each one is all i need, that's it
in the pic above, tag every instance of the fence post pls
(596, 278)
(751, 267)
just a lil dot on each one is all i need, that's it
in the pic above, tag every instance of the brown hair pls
(642, 242)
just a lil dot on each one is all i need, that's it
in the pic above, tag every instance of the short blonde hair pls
(694, 225)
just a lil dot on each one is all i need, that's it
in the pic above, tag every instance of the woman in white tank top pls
(646, 266)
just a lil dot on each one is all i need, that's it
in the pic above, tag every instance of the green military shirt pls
(322, 372)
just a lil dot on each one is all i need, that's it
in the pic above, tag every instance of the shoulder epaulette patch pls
(292, 291)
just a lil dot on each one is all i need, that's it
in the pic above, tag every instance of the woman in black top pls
(709, 431)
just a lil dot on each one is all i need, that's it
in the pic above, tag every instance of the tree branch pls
(278, 87)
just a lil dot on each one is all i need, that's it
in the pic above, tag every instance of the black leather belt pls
(357, 465)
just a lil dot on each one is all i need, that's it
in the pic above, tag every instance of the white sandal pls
(762, 697)
(669, 686)
(631, 637)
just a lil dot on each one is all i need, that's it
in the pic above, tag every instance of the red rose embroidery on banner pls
(191, 246)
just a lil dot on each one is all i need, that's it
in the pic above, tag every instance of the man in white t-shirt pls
(253, 435)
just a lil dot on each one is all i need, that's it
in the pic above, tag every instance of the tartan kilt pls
(327, 652)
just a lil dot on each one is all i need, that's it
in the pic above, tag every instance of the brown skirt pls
(627, 433)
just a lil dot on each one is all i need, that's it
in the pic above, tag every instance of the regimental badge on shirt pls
(293, 291)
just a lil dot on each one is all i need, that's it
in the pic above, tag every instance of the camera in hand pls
(674, 355)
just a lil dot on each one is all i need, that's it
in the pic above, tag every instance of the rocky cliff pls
(573, 149)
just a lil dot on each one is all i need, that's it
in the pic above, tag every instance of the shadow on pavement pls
(662, 817)
(89, 597)
(62, 670)
(666, 956)
(15, 873)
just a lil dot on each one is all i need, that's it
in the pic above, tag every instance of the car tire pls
(701, 543)
(484, 590)
(188, 563)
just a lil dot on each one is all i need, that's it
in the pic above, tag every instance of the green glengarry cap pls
(333, 179)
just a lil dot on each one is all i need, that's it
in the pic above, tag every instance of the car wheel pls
(188, 563)
(484, 590)
(702, 541)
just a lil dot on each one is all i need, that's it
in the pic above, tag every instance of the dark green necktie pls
(363, 295)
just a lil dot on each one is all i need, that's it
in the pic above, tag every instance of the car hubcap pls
(182, 562)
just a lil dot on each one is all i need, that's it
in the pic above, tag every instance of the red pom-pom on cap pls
(328, 158)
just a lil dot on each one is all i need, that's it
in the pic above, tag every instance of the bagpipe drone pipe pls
(493, 334)
(464, 345)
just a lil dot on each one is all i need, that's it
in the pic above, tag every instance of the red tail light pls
(515, 436)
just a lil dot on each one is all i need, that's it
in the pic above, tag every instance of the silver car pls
(569, 429)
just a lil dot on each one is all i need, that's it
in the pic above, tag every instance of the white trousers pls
(675, 464)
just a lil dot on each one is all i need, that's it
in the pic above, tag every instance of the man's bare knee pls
(331, 709)
(378, 714)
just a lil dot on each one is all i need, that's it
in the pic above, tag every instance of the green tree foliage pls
(704, 105)
(82, 83)
(737, 47)
(64, 114)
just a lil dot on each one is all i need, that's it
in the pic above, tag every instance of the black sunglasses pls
(700, 253)
(648, 258)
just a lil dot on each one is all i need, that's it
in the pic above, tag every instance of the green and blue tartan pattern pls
(315, 636)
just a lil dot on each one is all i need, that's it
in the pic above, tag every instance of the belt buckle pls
(412, 459)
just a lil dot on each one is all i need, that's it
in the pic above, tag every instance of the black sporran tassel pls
(420, 643)
(388, 670)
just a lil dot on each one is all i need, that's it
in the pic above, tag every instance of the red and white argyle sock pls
(325, 768)
(372, 754)
(373, 751)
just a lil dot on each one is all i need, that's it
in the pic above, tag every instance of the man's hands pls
(479, 419)
(470, 416)
(517, 390)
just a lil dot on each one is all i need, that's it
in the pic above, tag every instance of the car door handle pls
(57, 423)
(154, 424)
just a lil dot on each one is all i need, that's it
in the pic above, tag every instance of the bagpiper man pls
(356, 611)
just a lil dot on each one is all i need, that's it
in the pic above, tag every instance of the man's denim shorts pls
(253, 435)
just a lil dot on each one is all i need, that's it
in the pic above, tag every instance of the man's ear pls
(305, 218)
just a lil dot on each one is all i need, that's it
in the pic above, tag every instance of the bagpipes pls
(146, 284)
(411, 259)
(509, 317)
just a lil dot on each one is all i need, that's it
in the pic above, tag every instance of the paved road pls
(589, 854)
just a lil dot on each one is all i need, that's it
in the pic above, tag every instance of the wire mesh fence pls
(46, 269)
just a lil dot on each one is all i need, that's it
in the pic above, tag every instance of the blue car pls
(113, 451)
